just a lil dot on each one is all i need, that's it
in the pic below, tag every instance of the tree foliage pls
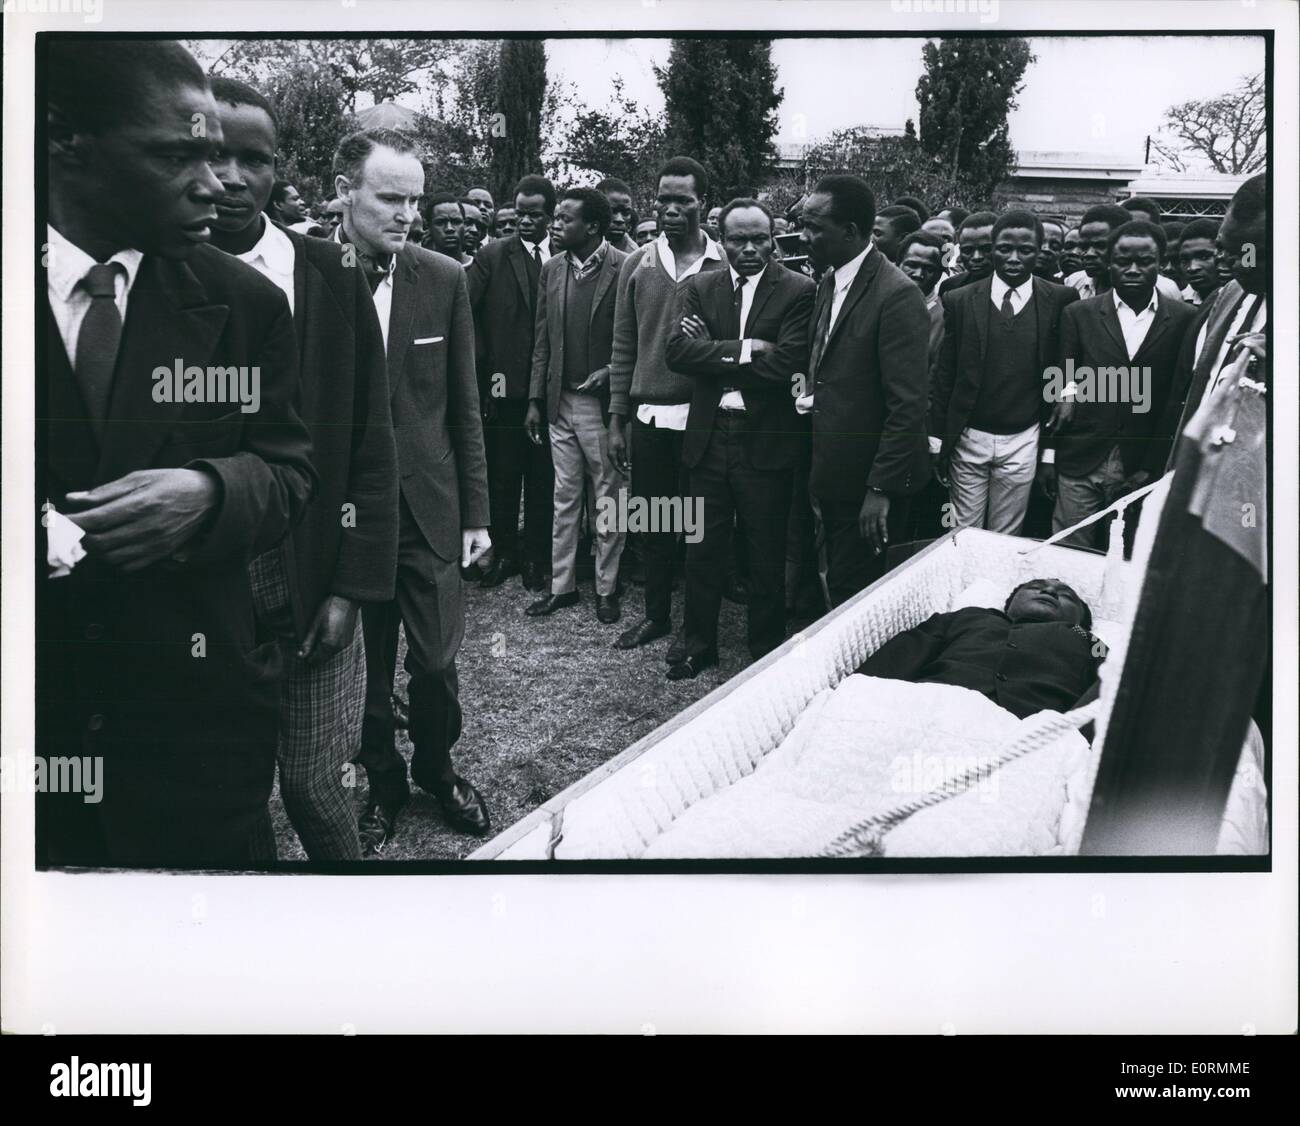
(1229, 133)
(516, 148)
(625, 141)
(966, 93)
(720, 100)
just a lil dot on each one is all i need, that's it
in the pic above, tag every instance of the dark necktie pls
(822, 328)
(535, 264)
(738, 303)
(1008, 310)
(98, 340)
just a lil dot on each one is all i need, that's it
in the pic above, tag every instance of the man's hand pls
(1130, 484)
(618, 445)
(533, 424)
(872, 520)
(758, 347)
(331, 631)
(695, 328)
(803, 404)
(595, 381)
(474, 544)
(1256, 343)
(1062, 412)
(939, 468)
(145, 516)
(1045, 479)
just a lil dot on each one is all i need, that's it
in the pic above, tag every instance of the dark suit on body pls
(741, 463)
(162, 674)
(503, 280)
(870, 388)
(443, 483)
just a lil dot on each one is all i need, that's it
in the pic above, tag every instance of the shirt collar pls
(1001, 289)
(68, 263)
(846, 274)
(751, 281)
(544, 246)
(1121, 305)
(274, 248)
(341, 238)
(711, 248)
(594, 256)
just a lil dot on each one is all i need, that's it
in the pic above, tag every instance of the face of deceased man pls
(245, 165)
(1046, 600)
(381, 207)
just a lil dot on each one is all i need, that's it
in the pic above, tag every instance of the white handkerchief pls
(63, 549)
(427, 340)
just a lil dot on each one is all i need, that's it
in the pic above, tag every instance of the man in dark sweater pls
(644, 317)
(1035, 654)
(987, 401)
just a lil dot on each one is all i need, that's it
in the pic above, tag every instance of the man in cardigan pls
(743, 338)
(644, 317)
(344, 553)
(570, 387)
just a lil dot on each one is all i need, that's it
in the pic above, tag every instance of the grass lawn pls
(546, 701)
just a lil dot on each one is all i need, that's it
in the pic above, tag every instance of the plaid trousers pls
(321, 708)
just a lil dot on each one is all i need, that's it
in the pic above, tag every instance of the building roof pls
(1061, 165)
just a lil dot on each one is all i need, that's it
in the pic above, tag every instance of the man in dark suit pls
(987, 401)
(742, 335)
(503, 296)
(1033, 655)
(423, 306)
(870, 385)
(147, 653)
(570, 388)
(310, 590)
(1121, 348)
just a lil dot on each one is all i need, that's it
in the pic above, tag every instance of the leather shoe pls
(378, 824)
(642, 633)
(607, 608)
(500, 569)
(549, 603)
(464, 809)
(677, 650)
(691, 667)
(533, 576)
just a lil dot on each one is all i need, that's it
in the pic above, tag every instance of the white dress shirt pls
(544, 246)
(1238, 327)
(383, 294)
(273, 258)
(66, 265)
(1079, 280)
(733, 400)
(1020, 295)
(1135, 326)
(672, 416)
(844, 277)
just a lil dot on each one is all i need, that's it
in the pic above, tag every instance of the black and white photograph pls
(642, 442)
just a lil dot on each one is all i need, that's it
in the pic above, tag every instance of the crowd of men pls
(764, 404)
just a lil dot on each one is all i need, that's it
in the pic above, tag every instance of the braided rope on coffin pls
(866, 838)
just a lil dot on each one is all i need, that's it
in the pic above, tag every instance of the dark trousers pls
(657, 471)
(429, 606)
(514, 464)
(758, 502)
(851, 565)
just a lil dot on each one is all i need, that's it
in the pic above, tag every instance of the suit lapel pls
(72, 450)
(515, 252)
(608, 272)
(406, 288)
(1159, 326)
(981, 298)
(866, 274)
(169, 320)
(299, 288)
(1110, 323)
(765, 286)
